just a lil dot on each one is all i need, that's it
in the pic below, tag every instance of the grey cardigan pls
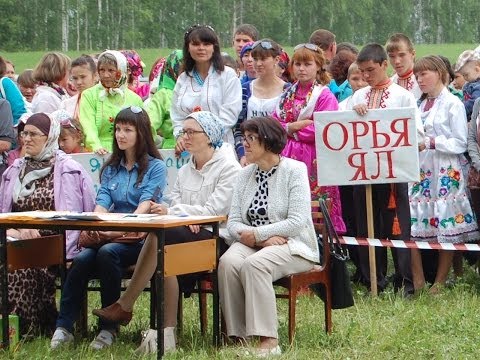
(472, 143)
(289, 208)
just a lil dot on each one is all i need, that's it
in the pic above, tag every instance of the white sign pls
(380, 147)
(93, 163)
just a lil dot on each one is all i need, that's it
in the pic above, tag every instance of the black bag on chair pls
(342, 296)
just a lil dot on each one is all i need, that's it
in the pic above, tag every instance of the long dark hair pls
(144, 145)
(206, 34)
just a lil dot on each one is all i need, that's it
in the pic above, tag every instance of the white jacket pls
(207, 191)
(289, 208)
(221, 94)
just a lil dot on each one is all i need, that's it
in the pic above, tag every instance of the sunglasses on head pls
(134, 109)
(266, 45)
(308, 46)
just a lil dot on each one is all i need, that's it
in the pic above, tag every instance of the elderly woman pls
(102, 102)
(45, 179)
(51, 75)
(270, 221)
(204, 186)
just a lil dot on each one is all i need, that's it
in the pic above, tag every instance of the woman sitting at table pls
(270, 221)
(45, 179)
(128, 182)
(204, 186)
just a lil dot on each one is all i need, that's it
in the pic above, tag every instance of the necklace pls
(197, 77)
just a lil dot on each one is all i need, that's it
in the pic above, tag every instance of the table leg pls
(216, 302)
(4, 287)
(160, 291)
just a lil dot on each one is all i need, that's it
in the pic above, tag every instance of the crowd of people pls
(247, 125)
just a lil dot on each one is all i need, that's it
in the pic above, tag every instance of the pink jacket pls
(73, 191)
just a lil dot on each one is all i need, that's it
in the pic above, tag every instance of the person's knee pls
(253, 264)
(107, 254)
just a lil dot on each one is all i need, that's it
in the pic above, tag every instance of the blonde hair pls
(353, 68)
(52, 68)
(303, 54)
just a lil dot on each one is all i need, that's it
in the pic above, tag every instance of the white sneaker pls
(104, 339)
(149, 341)
(60, 337)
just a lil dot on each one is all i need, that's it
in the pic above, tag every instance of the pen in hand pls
(157, 193)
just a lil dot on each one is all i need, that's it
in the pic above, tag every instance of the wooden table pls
(157, 226)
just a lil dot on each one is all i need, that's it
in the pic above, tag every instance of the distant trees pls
(99, 24)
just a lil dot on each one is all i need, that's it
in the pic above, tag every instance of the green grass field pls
(446, 326)
(26, 60)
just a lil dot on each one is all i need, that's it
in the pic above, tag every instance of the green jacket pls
(158, 110)
(97, 116)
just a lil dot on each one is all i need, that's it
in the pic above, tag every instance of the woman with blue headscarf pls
(204, 186)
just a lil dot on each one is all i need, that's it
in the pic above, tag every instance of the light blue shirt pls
(118, 190)
(14, 97)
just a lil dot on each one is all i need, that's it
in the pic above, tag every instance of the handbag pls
(473, 179)
(93, 239)
(342, 296)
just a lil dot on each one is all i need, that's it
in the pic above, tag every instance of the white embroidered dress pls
(439, 207)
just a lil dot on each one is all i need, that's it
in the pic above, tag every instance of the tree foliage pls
(99, 24)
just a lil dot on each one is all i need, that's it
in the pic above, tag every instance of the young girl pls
(439, 207)
(295, 113)
(261, 95)
(84, 75)
(70, 140)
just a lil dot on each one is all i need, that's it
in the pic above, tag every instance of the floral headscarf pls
(211, 124)
(171, 70)
(135, 64)
(121, 81)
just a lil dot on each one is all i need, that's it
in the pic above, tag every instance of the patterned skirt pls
(439, 206)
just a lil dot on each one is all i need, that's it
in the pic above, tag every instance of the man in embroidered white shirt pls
(383, 93)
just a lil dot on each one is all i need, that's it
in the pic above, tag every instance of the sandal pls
(103, 340)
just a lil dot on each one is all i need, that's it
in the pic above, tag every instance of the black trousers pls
(383, 222)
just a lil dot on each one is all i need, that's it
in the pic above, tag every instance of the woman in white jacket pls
(205, 84)
(204, 186)
(270, 222)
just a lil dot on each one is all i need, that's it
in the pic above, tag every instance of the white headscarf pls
(121, 81)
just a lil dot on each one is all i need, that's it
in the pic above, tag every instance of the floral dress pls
(439, 207)
(299, 103)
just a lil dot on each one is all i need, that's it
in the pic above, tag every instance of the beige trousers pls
(247, 296)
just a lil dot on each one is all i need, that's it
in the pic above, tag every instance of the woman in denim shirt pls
(129, 180)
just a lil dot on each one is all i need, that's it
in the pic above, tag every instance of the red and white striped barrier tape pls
(347, 240)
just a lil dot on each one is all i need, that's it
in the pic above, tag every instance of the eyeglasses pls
(266, 45)
(249, 139)
(189, 132)
(33, 135)
(308, 46)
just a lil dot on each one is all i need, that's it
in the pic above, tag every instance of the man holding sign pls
(390, 201)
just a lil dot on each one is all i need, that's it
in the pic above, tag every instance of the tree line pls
(98, 24)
